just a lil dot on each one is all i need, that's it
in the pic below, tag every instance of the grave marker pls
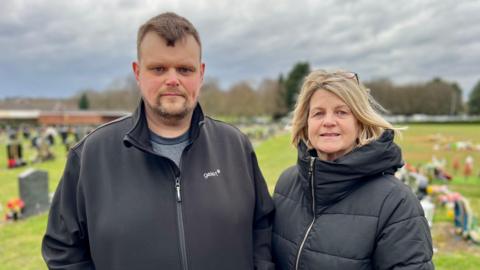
(33, 185)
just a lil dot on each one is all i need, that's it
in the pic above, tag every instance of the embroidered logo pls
(211, 174)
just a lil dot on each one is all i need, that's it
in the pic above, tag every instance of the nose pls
(172, 79)
(329, 120)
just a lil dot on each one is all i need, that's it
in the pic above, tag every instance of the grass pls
(459, 260)
(274, 156)
(20, 244)
(20, 241)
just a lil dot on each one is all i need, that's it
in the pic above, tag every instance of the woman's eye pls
(316, 114)
(342, 113)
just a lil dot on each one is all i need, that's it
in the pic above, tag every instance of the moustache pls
(171, 92)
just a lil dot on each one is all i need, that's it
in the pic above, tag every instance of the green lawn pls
(20, 241)
(20, 244)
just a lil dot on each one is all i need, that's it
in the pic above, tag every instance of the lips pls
(171, 94)
(330, 134)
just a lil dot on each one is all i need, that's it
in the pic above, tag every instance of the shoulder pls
(399, 203)
(220, 131)
(379, 195)
(108, 132)
(387, 186)
(220, 126)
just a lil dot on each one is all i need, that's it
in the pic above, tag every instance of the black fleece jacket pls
(121, 206)
(351, 213)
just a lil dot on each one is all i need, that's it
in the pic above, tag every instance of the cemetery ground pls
(20, 241)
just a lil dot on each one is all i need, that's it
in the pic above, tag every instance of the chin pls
(328, 150)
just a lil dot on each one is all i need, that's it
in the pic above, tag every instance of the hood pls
(334, 180)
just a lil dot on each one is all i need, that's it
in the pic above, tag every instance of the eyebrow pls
(185, 64)
(336, 107)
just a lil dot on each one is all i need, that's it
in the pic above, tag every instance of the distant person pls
(167, 187)
(340, 206)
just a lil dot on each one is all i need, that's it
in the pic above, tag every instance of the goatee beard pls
(173, 117)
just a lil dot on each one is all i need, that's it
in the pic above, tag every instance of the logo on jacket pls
(211, 174)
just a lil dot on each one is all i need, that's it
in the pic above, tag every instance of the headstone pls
(43, 150)
(14, 155)
(33, 186)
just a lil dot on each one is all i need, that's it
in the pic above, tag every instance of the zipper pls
(311, 176)
(181, 229)
(177, 188)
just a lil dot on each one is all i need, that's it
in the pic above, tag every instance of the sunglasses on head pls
(349, 75)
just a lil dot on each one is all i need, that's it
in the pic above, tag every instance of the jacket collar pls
(334, 180)
(139, 133)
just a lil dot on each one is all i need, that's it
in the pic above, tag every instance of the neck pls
(327, 157)
(332, 156)
(166, 127)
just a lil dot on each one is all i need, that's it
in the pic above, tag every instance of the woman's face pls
(332, 128)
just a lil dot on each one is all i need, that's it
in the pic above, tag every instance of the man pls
(165, 188)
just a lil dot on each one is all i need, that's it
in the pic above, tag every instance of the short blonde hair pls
(346, 86)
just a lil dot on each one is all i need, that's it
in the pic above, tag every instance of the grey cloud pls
(66, 46)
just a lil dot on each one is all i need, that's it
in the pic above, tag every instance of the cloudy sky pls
(55, 48)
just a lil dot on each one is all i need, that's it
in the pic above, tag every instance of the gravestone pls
(33, 185)
(14, 155)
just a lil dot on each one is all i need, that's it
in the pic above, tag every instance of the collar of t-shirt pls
(171, 148)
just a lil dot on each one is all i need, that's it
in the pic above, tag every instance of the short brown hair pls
(169, 26)
(349, 90)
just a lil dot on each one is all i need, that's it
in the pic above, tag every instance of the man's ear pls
(136, 70)
(202, 70)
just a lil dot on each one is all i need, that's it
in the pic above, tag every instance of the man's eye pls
(184, 70)
(158, 69)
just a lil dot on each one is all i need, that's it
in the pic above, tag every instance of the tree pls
(436, 97)
(384, 92)
(474, 100)
(271, 98)
(456, 104)
(83, 103)
(212, 98)
(294, 82)
(242, 100)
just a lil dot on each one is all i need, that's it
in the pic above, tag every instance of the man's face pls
(169, 77)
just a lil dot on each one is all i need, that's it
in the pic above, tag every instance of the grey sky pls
(56, 48)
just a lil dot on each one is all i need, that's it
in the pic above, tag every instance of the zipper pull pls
(310, 170)
(177, 187)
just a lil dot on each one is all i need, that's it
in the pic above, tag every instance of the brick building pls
(58, 118)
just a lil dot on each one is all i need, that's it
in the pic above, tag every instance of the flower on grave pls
(15, 204)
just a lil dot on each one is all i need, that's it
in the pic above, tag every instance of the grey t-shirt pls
(171, 148)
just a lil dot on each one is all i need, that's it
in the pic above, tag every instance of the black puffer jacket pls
(364, 217)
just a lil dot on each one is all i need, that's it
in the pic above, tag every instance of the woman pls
(340, 207)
